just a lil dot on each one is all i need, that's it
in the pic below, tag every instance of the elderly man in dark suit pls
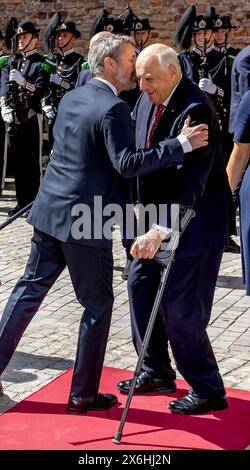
(200, 183)
(94, 139)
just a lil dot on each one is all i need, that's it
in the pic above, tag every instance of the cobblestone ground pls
(49, 343)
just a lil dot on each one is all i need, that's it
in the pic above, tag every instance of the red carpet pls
(40, 422)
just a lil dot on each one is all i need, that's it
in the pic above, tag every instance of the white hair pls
(164, 54)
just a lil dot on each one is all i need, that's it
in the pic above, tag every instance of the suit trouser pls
(26, 150)
(183, 318)
(91, 270)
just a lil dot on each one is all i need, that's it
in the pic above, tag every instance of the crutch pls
(18, 214)
(165, 257)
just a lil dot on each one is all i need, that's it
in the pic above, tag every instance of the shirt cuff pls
(186, 146)
(166, 230)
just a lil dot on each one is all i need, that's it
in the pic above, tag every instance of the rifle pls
(16, 101)
(204, 73)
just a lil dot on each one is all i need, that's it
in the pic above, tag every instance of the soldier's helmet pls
(223, 21)
(206, 21)
(128, 19)
(141, 23)
(184, 29)
(104, 22)
(68, 26)
(26, 27)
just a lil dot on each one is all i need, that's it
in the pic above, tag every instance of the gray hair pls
(106, 47)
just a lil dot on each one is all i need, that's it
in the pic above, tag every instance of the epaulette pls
(4, 61)
(49, 66)
(85, 66)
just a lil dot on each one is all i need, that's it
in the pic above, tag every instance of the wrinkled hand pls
(197, 135)
(206, 84)
(49, 111)
(16, 76)
(148, 244)
(7, 114)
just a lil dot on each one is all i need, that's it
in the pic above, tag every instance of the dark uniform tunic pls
(25, 132)
(217, 66)
(64, 69)
(3, 62)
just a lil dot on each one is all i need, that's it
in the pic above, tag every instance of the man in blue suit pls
(200, 183)
(94, 139)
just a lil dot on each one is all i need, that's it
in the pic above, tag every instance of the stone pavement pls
(49, 343)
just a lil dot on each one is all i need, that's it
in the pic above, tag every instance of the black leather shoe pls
(15, 209)
(1, 388)
(192, 405)
(146, 383)
(99, 402)
(231, 246)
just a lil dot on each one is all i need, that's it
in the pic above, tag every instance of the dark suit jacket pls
(240, 82)
(94, 139)
(201, 183)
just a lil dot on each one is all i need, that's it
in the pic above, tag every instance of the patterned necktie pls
(159, 110)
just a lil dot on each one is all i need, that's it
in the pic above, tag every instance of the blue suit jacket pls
(94, 141)
(201, 183)
(240, 82)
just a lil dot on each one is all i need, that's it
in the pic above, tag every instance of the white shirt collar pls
(200, 52)
(221, 49)
(67, 52)
(110, 85)
(26, 54)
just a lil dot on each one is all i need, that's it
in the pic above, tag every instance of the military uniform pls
(3, 63)
(64, 68)
(210, 67)
(22, 111)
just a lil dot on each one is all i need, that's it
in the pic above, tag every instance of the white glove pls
(49, 111)
(206, 84)
(7, 114)
(56, 79)
(16, 76)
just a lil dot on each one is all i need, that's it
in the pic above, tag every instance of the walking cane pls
(165, 258)
(18, 214)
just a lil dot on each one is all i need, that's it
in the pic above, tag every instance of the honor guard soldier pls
(207, 67)
(65, 66)
(142, 32)
(23, 85)
(3, 62)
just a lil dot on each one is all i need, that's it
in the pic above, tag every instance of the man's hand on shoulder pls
(196, 135)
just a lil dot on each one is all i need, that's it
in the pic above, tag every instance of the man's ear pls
(172, 70)
(108, 62)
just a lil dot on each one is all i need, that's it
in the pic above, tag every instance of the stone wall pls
(163, 15)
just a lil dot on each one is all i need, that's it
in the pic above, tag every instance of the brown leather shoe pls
(99, 402)
(1, 388)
